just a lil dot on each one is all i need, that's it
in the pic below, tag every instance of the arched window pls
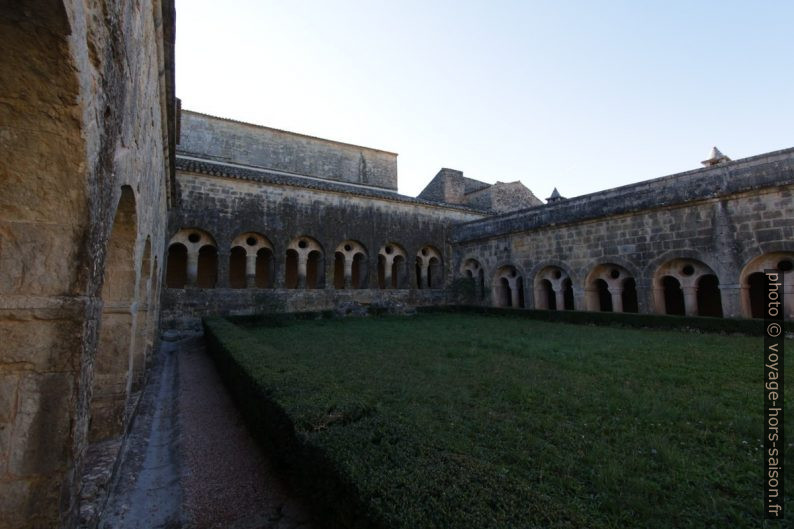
(508, 289)
(429, 268)
(251, 261)
(553, 289)
(610, 288)
(197, 264)
(305, 264)
(678, 289)
(473, 269)
(176, 266)
(754, 283)
(350, 265)
(673, 296)
(392, 271)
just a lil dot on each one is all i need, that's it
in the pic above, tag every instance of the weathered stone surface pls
(244, 143)
(84, 113)
(41, 424)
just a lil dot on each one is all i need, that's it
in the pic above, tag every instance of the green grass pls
(472, 421)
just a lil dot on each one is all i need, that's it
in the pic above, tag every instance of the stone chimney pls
(454, 187)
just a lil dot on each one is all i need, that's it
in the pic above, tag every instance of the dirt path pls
(190, 462)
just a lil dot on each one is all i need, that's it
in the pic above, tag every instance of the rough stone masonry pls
(122, 216)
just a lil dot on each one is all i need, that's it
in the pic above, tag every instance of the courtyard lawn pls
(471, 421)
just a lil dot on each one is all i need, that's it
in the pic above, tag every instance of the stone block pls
(41, 437)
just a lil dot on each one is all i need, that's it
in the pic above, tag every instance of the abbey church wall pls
(231, 141)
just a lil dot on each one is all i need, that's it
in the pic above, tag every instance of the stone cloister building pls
(122, 215)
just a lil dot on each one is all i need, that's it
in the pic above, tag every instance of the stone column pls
(223, 270)
(658, 300)
(348, 283)
(559, 297)
(373, 273)
(731, 299)
(578, 298)
(541, 300)
(192, 267)
(250, 270)
(513, 293)
(690, 300)
(388, 262)
(617, 299)
(591, 301)
(302, 259)
(644, 298)
(425, 282)
(279, 270)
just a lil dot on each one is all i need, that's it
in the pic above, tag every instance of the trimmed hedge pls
(309, 470)
(749, 327)
(466, 421)
(317, 449)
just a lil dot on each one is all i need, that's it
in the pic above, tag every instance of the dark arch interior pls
(604, 296)
(339, 270)
(291, 269)
(237, 259)
(709, 298)
(398, 272)
(264, 268)
(507, 297)
(758, 284)
(381, 272)
(548, 291)
(520, 287)
(207, 273)
(629, 295)
(314, 270)
(673, 296)
(434, 278)
(567, 294)
(176, 266)
(359, 272)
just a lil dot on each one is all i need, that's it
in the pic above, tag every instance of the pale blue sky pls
(583, 96)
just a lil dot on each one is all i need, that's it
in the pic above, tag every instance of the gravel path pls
(228, 482)
(190, 462)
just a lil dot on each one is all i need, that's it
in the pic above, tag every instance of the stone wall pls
(83, 119)
(224, 207)
(725, 218)
(503, 197)
(451, 187)
(242, 143)
(184, 308)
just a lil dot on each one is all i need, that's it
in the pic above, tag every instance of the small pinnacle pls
(715, 158)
